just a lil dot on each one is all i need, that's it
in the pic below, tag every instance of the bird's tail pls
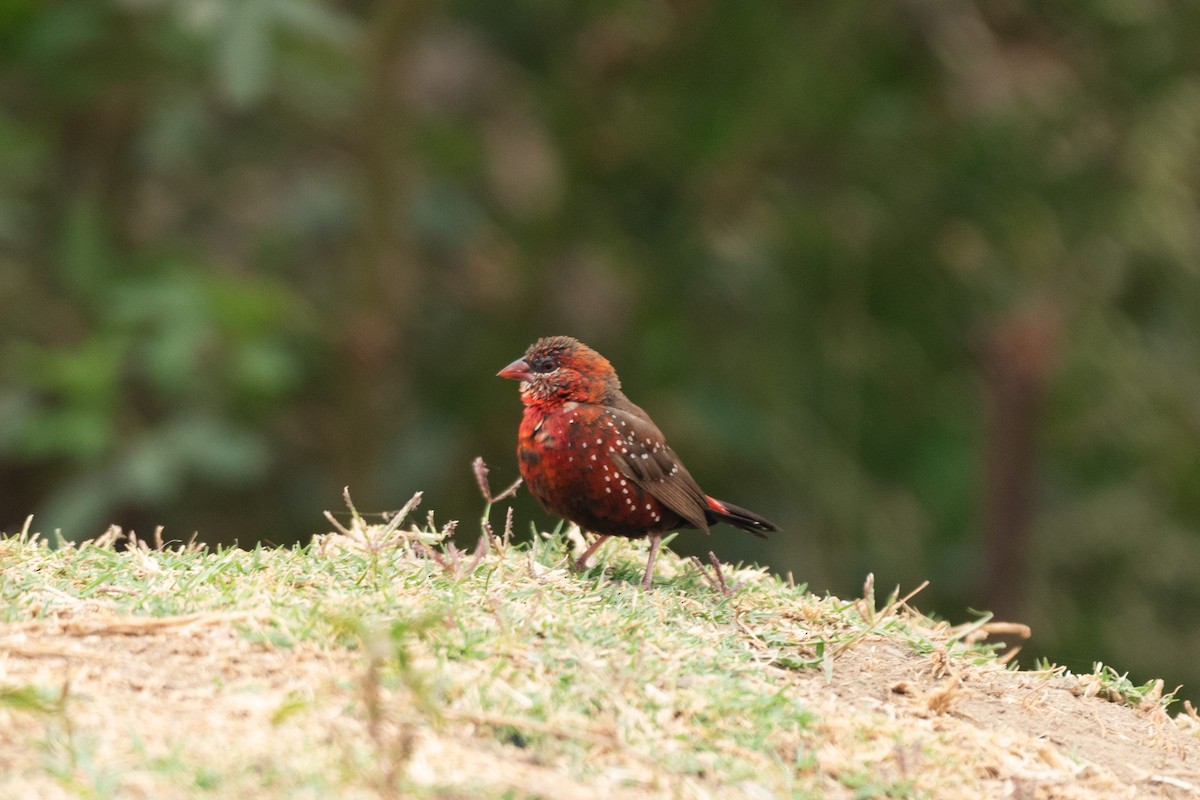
(738, 517)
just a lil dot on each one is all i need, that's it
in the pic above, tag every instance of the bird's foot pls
(580, 564)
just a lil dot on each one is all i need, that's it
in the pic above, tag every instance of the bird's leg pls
(581, 562)
(655, 541)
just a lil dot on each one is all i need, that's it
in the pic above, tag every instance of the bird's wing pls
(644, 457)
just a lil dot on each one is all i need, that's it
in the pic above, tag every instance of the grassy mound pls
(381, 661)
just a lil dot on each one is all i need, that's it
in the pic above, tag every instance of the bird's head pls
(559, 369)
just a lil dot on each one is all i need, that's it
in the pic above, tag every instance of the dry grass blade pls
(480, 468)
(376, 539)
(450, 559)
(141, 626)
(717, 580)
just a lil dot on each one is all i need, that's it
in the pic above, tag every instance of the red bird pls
(591, 456)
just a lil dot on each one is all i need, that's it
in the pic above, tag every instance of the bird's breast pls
(566, 457)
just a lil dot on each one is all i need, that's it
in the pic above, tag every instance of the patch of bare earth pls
(1021, 734)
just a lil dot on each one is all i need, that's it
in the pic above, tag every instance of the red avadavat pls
(591, 456)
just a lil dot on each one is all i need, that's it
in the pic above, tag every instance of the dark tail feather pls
(738, 517)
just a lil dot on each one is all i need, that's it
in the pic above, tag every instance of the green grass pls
(381, 661)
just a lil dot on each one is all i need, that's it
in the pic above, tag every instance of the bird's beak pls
(517, 370)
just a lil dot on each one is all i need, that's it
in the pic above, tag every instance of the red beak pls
(517, 370)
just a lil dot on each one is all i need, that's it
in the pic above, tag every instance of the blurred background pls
(917, 279)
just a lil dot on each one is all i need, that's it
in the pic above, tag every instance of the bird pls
(592, 457)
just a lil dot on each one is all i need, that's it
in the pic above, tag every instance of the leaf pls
(318, 22)
(218, 450)
(244, 53)
(84, 251)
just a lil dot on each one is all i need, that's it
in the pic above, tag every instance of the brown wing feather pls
(645, 458)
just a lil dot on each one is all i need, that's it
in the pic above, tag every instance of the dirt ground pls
(160, 706)
(1039, 736)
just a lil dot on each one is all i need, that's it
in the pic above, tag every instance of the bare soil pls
(1029, 735)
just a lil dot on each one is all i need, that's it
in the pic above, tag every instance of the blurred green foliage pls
(918, 280)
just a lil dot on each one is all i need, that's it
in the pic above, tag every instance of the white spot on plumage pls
(593, 456)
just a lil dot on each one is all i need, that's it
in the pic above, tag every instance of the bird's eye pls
(542, 364)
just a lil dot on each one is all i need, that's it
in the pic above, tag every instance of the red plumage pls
(591, 456)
